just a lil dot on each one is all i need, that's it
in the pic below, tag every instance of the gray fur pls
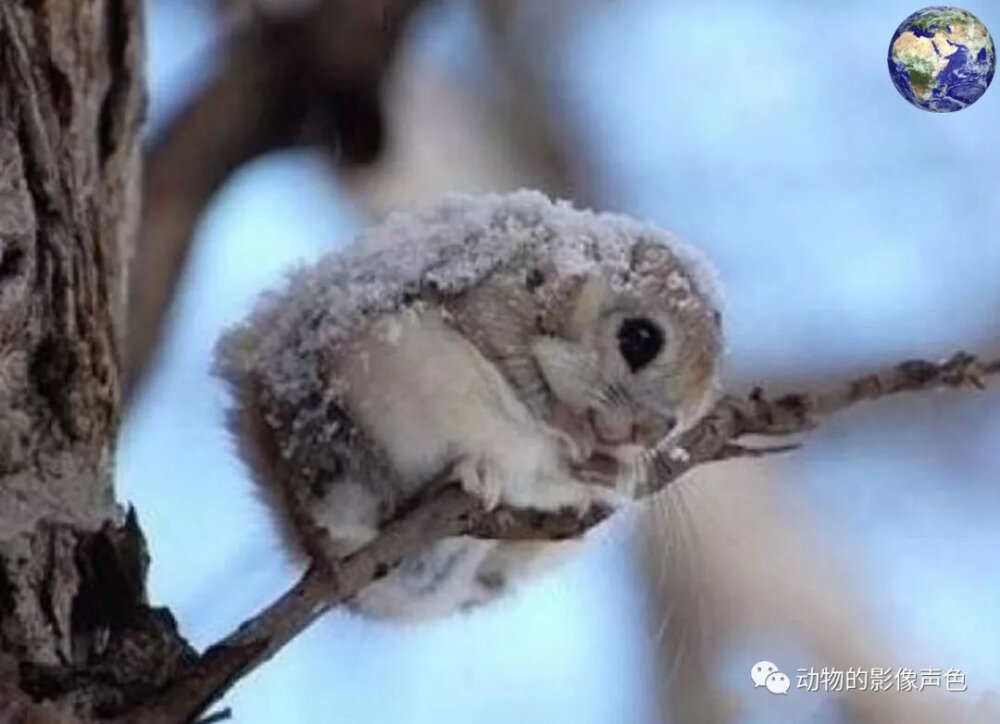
(500, 267)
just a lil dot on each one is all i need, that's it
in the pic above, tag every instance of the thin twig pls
(733, 450)
(216, 716)
(448, 511)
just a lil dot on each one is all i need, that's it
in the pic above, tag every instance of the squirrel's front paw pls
(481, 479)
(493, 484)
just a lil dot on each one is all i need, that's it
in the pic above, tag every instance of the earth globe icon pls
(942, 59)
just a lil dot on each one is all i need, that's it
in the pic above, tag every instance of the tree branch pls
(445, 510)
(313, 79)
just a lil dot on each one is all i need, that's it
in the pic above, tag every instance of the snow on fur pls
(449, 248)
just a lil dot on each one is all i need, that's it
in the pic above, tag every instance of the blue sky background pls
(850, 230)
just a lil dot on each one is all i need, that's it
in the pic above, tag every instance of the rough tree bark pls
(77, 639)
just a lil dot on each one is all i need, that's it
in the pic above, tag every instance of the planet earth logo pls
(942, 59)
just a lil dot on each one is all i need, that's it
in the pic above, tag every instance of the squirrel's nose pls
(612, 429)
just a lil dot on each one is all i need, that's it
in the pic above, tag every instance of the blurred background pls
(850, 231)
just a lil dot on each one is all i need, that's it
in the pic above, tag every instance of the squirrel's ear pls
(571, 371)
(585, 308)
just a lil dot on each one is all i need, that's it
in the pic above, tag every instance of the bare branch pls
(215, 717)
(312, 79)
(447, 511)
(733, 450)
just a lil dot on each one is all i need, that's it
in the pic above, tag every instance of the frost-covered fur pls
(447, 338)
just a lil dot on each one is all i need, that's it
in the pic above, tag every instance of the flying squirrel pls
(534, 350)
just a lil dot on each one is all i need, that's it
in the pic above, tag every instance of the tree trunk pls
(77, 640)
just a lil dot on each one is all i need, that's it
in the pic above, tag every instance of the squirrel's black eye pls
(639, 341)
